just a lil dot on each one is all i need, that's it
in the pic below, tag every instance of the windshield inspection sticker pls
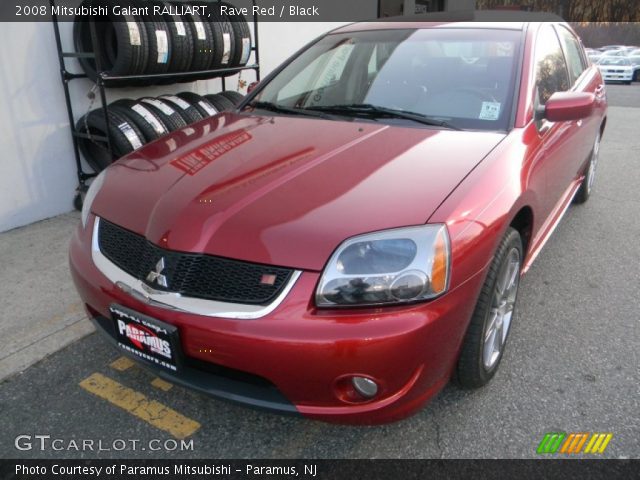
(490, 111)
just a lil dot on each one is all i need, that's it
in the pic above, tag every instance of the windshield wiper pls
(376, 111)
(273, 107)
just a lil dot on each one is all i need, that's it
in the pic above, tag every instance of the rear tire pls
(488, 331)
(584, 192)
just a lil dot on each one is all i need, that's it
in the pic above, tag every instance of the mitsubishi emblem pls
(156, 274)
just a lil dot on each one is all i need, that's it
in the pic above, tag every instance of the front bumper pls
(618, 77)
(295, 359)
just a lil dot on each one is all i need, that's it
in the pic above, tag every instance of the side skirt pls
(552, 223)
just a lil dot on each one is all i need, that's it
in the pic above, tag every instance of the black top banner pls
(318, 469)
(328, 10)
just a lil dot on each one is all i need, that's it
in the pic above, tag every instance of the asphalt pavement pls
(572, 364)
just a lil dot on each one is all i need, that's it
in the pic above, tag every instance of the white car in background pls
(634, 58)
(593, 54)
(609, 48)
(619, 52)
(616, 69)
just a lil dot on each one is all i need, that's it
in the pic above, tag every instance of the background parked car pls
(593, 54)
(618, 52)
(611, 47)
(634, 58)
(616, 69)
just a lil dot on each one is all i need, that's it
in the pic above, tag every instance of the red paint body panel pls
(266, 191)
(288, 190)
(568, 106)
(303, 350)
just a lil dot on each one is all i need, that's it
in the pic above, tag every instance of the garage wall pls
(37, 169)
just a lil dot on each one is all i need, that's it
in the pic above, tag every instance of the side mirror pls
(252, 86)
(567, 106)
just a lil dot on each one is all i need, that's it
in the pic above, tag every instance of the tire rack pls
(105, 81)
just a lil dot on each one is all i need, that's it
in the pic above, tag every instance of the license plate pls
(147, 338)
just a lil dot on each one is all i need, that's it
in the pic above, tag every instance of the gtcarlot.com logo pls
(574, 443)
(48, 443)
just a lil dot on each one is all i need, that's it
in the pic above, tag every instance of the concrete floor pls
(41, 311)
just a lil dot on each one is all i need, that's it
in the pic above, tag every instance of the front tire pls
(486, 337)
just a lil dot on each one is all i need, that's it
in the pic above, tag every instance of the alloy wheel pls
(502, 307)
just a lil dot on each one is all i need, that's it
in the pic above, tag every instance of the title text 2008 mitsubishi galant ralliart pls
(353, 235)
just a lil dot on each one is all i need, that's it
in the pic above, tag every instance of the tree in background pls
(598, 34)
(574, 10)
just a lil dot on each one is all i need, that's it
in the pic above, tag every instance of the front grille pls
(192, 275)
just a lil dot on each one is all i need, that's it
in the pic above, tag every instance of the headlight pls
(94, 188)
(390, 267)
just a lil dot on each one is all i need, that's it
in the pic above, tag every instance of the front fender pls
(483, 206)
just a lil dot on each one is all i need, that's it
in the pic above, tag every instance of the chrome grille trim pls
(174, 301)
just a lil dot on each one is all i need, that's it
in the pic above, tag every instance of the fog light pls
(365, 386)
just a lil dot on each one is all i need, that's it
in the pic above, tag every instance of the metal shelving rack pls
(105, 81)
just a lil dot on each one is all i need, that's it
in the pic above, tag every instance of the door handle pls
(599, 90)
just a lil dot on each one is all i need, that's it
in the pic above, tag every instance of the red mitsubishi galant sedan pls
(353, 235)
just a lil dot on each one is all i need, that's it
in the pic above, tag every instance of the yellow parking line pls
(161, 384)
(122, 364)
(137, 404)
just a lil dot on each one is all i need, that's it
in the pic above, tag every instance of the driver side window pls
(551, 68)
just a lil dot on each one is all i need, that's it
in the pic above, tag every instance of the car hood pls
(615, 67)
(285, 190)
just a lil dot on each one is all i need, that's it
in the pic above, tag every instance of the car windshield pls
(452, 77)
(614, 61)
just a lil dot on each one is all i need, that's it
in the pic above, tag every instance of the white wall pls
(37, 168)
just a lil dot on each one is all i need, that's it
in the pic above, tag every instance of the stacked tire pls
(134, 123)
(163, 42)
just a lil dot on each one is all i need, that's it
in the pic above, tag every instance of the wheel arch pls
(603, 126)
(523, 223)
